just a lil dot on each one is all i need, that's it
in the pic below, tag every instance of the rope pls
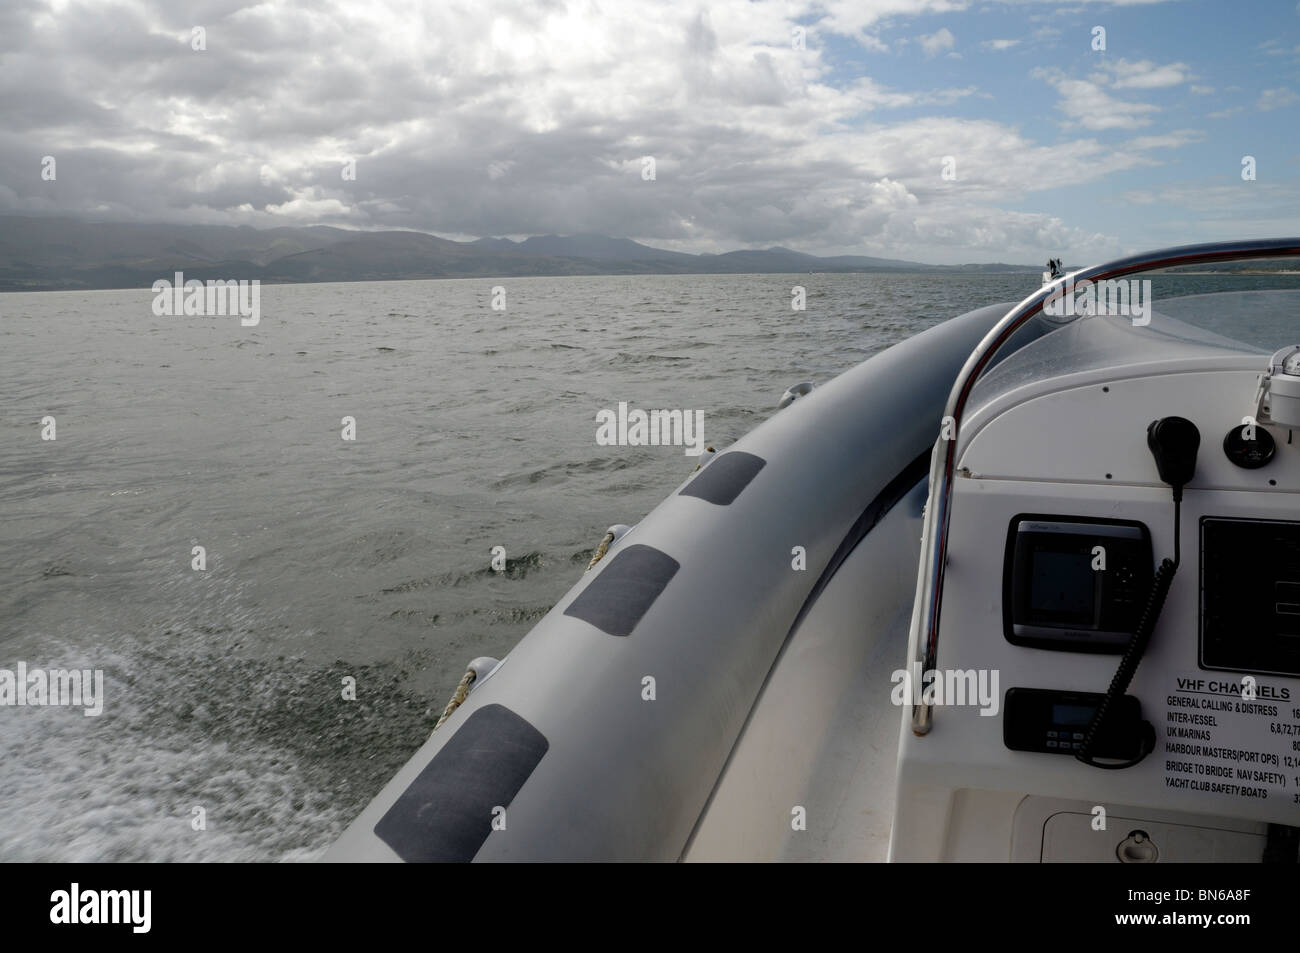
(461, 693)
(601, 550)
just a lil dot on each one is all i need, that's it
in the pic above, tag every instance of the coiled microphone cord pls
(1137, 646)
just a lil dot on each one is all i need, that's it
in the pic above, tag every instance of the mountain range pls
(48, 254)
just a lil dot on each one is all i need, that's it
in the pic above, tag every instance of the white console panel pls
(1076, 446)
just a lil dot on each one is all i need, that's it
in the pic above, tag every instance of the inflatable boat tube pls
(601, 736)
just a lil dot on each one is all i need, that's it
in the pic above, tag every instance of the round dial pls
(1253, 453)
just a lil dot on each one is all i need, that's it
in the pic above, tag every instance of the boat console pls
(1113, 540)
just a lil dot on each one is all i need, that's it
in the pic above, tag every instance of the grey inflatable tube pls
(602, 734)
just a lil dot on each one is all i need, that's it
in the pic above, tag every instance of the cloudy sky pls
(534, 116)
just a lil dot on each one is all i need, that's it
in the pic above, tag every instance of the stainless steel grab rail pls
(924, 638)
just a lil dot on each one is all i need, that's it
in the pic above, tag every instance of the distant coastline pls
(61, 254)
(53, 254)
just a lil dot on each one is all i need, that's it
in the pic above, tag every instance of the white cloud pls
(946, 97)
(1145, 74)
(476, 117)
(307, 207)
(1276, 98)
(999, 44)
(1216, 210)
(1090, 104)
(1169, 140)
(1087, 104)
(872, 42)
(935, 43)
(850, 17)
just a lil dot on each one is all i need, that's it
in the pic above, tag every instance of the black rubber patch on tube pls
(724, 479)
(446, 813)
(626, 588)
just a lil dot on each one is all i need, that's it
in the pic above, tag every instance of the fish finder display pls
(1074, 584)
(1062, 586)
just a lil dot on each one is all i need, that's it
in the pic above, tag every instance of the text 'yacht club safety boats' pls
(845, 639)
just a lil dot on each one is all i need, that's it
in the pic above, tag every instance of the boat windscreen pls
(1266, 318)
(1256, 321)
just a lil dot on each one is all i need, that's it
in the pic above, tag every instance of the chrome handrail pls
(923, 644)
